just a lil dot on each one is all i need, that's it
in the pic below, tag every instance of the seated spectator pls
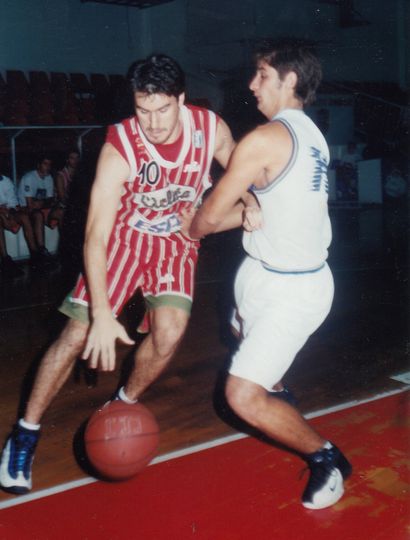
(36, 195)
(12, 217)
(65, 177)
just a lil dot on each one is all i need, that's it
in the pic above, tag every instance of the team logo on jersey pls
(192, 167)
(198, 139)
(159, 227)
(164, 198)
(320, 171)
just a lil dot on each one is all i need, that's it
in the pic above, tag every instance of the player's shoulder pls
(260, 135)
(274, 131)
(198, 108)
(199, 111)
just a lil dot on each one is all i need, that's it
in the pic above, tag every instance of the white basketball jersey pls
(296, 231)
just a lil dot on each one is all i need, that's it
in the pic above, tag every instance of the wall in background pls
(211, 38)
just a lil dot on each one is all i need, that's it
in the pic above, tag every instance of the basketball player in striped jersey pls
(152, 170)
(284, 288)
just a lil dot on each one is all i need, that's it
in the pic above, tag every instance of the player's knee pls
(167, 337)
(74, 335)
(166, 341)
(244, 398)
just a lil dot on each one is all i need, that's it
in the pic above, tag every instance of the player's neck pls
(176, 134)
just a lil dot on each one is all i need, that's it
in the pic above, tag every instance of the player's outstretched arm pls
(224, 206)
(112, 172)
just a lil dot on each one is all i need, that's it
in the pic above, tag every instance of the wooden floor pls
(361, 345)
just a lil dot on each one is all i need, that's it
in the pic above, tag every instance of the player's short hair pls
(157, 74)
(297, 55)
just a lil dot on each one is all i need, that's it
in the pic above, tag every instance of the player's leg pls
(279, 313)
(278, 390)
(275, 418)
(283, 423)
(168, 284)
(55, 367)
(168, 325)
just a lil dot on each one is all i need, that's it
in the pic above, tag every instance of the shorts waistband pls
(292, 272)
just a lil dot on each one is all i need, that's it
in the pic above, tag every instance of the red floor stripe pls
(244, 490)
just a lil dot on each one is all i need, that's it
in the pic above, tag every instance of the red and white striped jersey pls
(146, 249)
(159, 188)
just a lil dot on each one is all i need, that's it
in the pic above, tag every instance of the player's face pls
(159, 116)
(44, 167)
(268, 89)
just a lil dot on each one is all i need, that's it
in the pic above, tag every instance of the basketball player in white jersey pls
(284, 288)
(152, 169)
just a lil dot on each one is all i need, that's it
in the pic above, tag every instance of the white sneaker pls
(328, 469)
(17, 459)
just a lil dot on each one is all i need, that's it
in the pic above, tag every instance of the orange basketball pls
(121, 439)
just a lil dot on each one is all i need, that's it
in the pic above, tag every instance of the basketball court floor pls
(211, 480)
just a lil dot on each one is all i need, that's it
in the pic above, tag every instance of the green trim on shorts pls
(168, 300)
(74, 310)
(80, 312)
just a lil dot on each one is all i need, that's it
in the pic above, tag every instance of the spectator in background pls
(65, 177)
(37, 196)
(11, 219)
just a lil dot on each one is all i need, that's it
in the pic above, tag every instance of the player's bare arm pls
(227, 194)
(112, 172)
(253, 162)
(224, 143)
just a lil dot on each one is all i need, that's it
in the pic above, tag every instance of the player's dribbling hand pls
(252, 218)
(100, 345)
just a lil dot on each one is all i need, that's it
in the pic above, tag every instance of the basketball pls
(121, 439)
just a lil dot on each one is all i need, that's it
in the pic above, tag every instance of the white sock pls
(28, 425)
(123, 397)
(327, 446)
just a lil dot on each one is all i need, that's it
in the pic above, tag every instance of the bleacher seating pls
(39, 98)
(17, 99)
(42, 109)
(103, 96)
(65, 106)
(3, 97)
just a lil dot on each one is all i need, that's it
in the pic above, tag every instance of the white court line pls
(191, 450)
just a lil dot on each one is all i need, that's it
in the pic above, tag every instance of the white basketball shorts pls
(278, 313)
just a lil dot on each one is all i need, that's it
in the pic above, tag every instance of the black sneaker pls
(328, 469)
(17, 459)
(9, 268)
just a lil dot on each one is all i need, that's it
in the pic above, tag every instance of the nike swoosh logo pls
(332, 487)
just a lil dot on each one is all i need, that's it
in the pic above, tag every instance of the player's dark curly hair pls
(297, 55)
(157, 74)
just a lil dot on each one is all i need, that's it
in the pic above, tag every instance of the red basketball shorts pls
(159, 266)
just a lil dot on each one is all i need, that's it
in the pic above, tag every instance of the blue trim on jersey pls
(293, 272)
(288, 166)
